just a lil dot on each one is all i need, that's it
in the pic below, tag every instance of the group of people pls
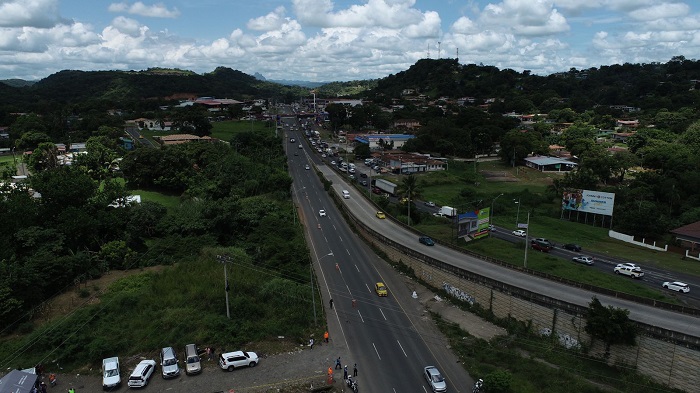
(210, 352)
(312, 341)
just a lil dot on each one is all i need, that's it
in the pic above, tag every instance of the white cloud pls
(526, 17)
(376, 13)
(660, 11)
(158, 10)
(29, 13)
(272, 21)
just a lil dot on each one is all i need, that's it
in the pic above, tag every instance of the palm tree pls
(410, 190)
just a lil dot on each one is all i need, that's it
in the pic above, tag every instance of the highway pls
(391, 344)
(365, 211)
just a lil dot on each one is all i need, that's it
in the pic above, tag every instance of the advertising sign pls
(589, 201)
(482, 223)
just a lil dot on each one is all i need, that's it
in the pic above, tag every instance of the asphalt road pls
(656, 317)
(392, 345)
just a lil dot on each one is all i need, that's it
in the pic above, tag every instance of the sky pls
(339, 40)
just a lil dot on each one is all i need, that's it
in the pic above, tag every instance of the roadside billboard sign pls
(589, 201)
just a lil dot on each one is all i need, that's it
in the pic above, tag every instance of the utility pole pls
(224, 259)
(439, 49)
(527, 234)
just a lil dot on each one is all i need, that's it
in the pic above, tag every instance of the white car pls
(677, 286)
(307, 167)
(111, 377)
(431, 204)
(627, 270)
(332, 162)
(142, 373)
(231, 360)
(583, 259)
(435, 379)
(519, 232)
(321, 213)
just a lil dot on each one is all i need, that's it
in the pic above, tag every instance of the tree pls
(610, 324)
(362, 151)
(409, 189)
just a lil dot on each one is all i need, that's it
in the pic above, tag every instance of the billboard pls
(588, 201)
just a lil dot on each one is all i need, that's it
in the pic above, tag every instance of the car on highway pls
(677, 286)
(142, 373)
(519, 232)
(583, 259)
(381, 215)
(572, 247)
(364, 182)
(321, 213)
(332, 162)
(232, 360)
(111, 376)
(429, 203)
(426, 240)
(629, 269)
(380, 288)
(541, 245)
(307, 167)
(435, 379)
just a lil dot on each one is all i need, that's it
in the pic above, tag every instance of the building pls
(689, 236)
(549, 164)
(181, 138)
(383, 141)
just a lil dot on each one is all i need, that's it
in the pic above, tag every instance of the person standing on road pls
(325, 336)
(354, 370)
(331, 303)
(337, 364)
(311, 343)
(345, 372)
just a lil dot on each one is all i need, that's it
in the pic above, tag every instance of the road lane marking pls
(368, 290)
(377, 352)
(360, 314)
(382, 312)
(404, 352)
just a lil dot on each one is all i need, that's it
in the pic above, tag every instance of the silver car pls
(435, 380)
(583, 259)
(677, 286)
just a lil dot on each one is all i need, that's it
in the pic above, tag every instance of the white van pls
(346, 194)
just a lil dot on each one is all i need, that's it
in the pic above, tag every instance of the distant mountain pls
(308, 84)
(17, 82)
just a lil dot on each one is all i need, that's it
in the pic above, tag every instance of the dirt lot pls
(295, 370)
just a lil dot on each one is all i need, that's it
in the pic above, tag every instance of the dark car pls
(572, 247)
(541, 245)
(426, 240)
(363, 175)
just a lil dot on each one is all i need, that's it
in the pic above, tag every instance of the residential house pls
(181, 138)
(688, 236)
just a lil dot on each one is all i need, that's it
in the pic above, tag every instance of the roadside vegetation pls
(201, 203)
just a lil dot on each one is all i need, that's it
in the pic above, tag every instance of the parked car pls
(142, 373)
(583, 259)
(380, 288)
(321, 213)
(677, 286)
(111, 376)
(572, 247)
(381, 215)
(168, 363)
(435, 379)
(193, 364)
(426, 240)
(629, 269)
(519, 232)
(363, 175)
(232, 360)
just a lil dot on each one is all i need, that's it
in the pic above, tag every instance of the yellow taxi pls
(381, 215)
(380, 288)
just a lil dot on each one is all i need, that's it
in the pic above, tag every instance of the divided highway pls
(388, 340)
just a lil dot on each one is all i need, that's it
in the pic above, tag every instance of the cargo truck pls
(447, 211)
(386, 186)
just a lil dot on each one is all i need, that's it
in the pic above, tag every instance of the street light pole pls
(517, 216)
(527, 233)
(224, 259)
(491, 211)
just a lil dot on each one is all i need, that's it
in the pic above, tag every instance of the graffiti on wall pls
(458, 293)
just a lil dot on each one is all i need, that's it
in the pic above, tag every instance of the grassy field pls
(451, 187)
(224, 130)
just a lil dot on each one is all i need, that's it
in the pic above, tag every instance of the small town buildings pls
(550, 164)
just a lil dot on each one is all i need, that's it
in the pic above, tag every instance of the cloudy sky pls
(338, 40)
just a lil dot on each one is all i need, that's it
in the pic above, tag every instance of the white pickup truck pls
(629, 269)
